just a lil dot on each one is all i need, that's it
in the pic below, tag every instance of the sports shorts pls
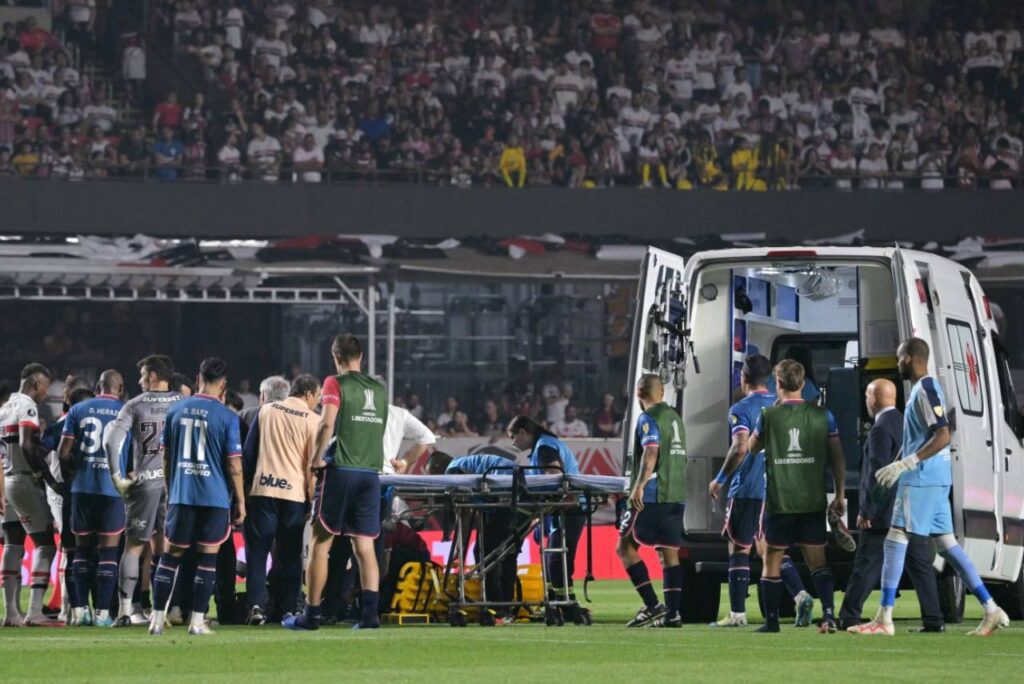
(783, 530)
(347, 502)
(659, 525)
(743, 521)
(26, 503)
(97, 514)
(922, 510)
(146, 512)
(201, 525)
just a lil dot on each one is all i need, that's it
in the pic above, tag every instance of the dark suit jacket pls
(883, 445)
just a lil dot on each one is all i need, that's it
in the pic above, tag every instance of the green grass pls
(605, 652)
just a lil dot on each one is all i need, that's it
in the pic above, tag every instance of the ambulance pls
(848, 308)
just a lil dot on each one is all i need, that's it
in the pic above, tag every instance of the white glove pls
(889, 475)
(123, 484)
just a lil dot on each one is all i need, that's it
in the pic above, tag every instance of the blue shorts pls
(783, 530)
(743, 521)
(202, 525)
(97, 514)
(659, 525)
(347, 501)
(922, 510)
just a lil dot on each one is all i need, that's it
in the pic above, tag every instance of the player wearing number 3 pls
(202, 462)
(97, 513)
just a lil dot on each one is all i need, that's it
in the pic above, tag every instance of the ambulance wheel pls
(487, 618)
(952, 596)
(1010, 597)
(553, 617)
(457, 618)
(585, 618)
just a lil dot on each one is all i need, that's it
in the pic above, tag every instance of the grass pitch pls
(604, 652)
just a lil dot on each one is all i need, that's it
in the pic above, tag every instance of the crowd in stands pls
(779, 94)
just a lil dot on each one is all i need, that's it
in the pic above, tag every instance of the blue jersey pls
(569, 464)
(200, 435)
(810, 392)
(647, 433)
(748, 479)
(478, 464)
(86, 423)
(925, 413)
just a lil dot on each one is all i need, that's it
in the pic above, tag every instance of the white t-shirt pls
(402, 425)
(567, 89)
(867, 166)
(301, 155)
(233, 23)
(263, 153)
(577, 429)
(229, 155)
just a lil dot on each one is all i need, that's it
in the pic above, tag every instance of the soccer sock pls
(310, 619)
(673, 589)
(370, 601)
(204, 582)
(70, 588)
(825, 586)
(771, 589)
(106, 579)
(10, 561)
(956, 557)
(642, 582)
(791, 577)
(80, 572)
(894, 556)
(739, 581)
(128, 580)
(41, 562)
(163, 581)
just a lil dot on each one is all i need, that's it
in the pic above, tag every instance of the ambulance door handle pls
(1008, 451)
(988, 442)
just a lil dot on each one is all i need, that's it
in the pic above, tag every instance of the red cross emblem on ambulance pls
(972, 370)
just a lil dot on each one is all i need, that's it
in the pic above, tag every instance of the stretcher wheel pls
(553, 617)
(487, 618)
(457, 618)
(585, 618)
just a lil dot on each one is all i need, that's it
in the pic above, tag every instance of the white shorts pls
(26, 503)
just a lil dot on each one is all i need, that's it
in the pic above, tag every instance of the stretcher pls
(533, 498)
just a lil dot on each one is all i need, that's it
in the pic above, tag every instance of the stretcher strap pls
(590, 548)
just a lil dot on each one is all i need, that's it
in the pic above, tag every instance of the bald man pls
(97, 510)
(875, 512)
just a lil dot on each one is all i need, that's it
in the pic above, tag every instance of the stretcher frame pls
(531, 498)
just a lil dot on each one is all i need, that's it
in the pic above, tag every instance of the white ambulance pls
(848, 307)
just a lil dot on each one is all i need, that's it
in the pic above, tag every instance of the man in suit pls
(875, 514)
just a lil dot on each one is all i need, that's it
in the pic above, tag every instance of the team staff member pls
(545, 449)
(799, 439)
(925, 475)
(656, 505)
(97, 512)
(347, 499)
(137, 469)
(746, 498)
(276, 463)
(500, 582)
(26, 510)
(875, 512)
(203, 451)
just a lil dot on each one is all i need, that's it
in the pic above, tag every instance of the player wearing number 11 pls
(202, 462)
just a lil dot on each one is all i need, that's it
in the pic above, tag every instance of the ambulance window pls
(1011, 412)
(966, 367)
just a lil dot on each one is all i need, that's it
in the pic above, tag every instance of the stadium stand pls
(595, 93)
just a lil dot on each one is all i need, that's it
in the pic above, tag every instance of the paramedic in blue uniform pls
(496, 523)
(546, 449)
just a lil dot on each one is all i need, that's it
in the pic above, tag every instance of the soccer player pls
(26, 510)
(656, 505)
(347, 499)
(76, 390)
(97, 512)
(278, 452)
(546, 450)
(202, 462)
(140, 480)
(799, 440)
(925, 475)
(746, 498)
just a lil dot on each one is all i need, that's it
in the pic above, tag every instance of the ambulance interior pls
(841, 315)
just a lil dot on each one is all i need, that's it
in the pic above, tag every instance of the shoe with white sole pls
(156, 627)
(174, 617)
(875, 627)
(732, 620)
(840, 533)
(646, 616)
(39, 621)
(201, 629)
(991, 622)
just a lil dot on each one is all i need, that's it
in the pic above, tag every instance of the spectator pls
(459, 426)
(491, 424)
(229, 157)
(133, 153)
(607, 420)
(513, 162)
(413, 406)
(167, 155)
(308, 160)
(570, 426)
(168, 113)
(264, 154)
(842, 166)
(872, 168)
(451, 406)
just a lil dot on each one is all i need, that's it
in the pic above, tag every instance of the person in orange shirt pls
(278, 451)
(513, 161)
